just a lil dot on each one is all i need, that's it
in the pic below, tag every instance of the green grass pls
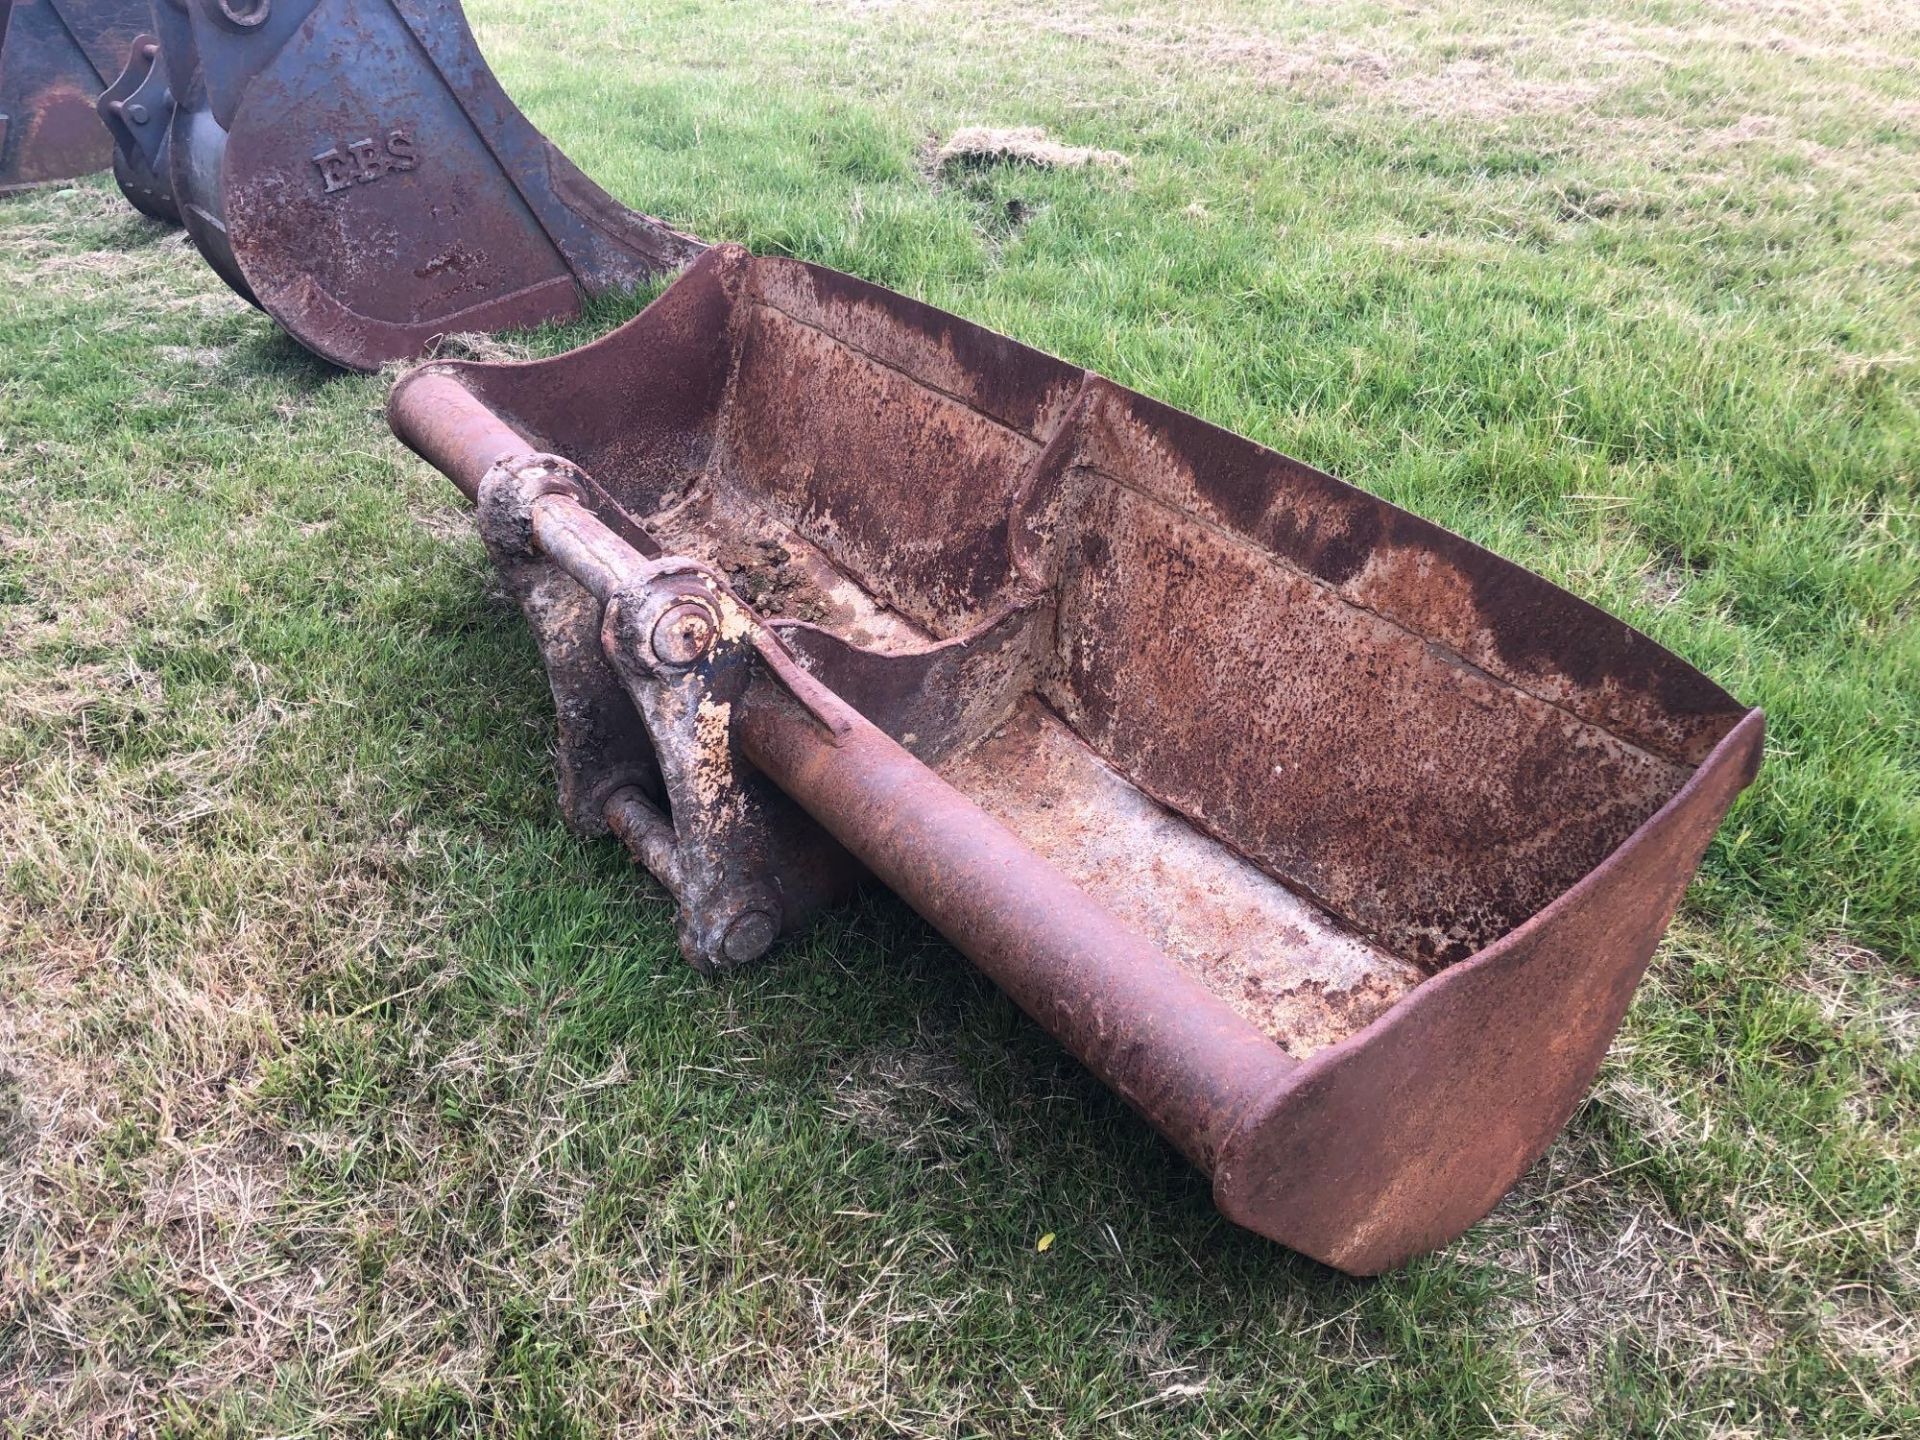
(343, 1092)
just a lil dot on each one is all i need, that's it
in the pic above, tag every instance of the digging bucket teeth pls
(354, 168)
(55, 57)
(1332, 842)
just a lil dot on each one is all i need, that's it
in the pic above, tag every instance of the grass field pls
(343, 1092)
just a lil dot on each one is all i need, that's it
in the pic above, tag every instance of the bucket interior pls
(1312, 747)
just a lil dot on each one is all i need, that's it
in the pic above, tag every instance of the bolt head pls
(137, 113)
(750, 936)
(245, 13)
(683, 634)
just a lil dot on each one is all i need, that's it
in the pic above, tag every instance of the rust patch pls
(1491, 613)
(907, 489)
(56, 56)
(1262, 706)
(1022, 388)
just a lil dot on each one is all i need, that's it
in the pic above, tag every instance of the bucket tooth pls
(354, 168)
(56, 56)
(1333, 843)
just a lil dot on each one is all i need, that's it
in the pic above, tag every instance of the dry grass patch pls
(1609, 1278)
(158, 920)
(1381, 66)
(137, 1179)
(1600, 81)
(1028, 145)
(1599, 1272)
(144, 269)
(917, 1101)
(474, 345)
(450, 525)
(154, 1254)
(1856, 987)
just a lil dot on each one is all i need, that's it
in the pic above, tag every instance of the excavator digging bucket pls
(55, 57)
(353, 168)
(1333, 843)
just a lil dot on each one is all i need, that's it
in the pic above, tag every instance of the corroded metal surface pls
(1400, 1137)
(354, 168)
(56, 56)
(1332, 842)
(1281, 961)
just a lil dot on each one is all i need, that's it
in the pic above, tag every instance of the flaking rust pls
(1333, 843)
(354, 168)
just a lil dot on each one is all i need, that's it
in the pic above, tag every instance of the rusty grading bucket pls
(55, 56)
(1333, 843)
(353, 167)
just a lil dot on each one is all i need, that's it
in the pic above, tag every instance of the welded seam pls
(106, 80)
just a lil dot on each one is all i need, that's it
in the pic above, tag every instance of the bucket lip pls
(1737, 756)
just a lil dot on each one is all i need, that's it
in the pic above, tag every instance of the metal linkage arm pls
(729, 709)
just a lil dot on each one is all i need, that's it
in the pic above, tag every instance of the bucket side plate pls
(1396, 1140)
(377, 189)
